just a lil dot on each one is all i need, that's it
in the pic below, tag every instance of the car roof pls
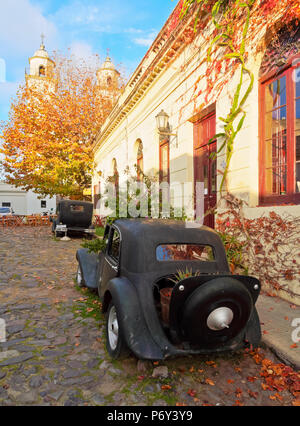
(141, 237)
(75, 202)
(156, 226)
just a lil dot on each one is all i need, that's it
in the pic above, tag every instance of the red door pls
(205, 164)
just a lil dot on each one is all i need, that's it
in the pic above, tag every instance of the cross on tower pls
(43, 39)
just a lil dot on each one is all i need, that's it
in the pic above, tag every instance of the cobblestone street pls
(55, 349)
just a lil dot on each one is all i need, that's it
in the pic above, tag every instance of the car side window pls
(114, 246)
(106, 233)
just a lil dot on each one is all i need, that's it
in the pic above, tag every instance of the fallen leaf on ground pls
(265, 387)
(253, 394)
(209, 382)
(211, 363)
(238, 392)
(191, 392)
(166, 387)
(294, 346)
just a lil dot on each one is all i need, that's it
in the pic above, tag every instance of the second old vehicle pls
(167, 290)
(73, 217)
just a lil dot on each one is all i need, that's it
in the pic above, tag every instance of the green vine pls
(224, 14)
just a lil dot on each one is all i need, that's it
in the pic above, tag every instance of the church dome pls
(41, 52)
(107, 65)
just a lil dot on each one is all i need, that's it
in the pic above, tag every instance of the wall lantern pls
(163, 126)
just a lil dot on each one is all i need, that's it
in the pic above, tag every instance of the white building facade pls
(168, 81)
(25, 202)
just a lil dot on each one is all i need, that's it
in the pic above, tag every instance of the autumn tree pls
(51, 127)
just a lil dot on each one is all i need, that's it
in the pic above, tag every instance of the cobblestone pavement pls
(55, 352)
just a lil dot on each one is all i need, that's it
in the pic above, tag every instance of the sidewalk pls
(276, 317)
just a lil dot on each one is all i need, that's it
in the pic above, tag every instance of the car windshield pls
(188, 252)
(4, 210)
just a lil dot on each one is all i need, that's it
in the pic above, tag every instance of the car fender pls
(89, 265)
(132, 322)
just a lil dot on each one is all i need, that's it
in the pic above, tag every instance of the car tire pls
(79, 277)
(115, 342)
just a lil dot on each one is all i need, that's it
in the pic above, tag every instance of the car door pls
(101, 258)
(111, 259)
(205, 165)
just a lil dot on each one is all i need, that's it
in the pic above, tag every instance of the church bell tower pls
(41, 68)
(108, 80)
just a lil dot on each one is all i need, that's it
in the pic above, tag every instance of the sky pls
(86, 27)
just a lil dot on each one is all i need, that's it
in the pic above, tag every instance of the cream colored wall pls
(173, 91)
(141, 124)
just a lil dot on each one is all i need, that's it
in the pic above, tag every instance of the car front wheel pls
(79, 278)
(115, 342)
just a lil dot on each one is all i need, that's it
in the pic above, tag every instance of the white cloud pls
(133, 31)
(21, 24)
(8, 90)
(79, 15)
(82, 50)
(7, 93)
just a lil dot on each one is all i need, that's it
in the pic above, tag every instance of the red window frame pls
(162, 145)
(97, 192)
(291, 196)
(140, 163)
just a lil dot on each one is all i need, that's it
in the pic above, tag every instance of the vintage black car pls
(73, 217)
(167, 290)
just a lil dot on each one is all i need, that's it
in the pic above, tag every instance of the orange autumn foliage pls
(47, 139)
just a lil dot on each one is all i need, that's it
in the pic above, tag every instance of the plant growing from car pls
(183, 274)
(95, 246)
